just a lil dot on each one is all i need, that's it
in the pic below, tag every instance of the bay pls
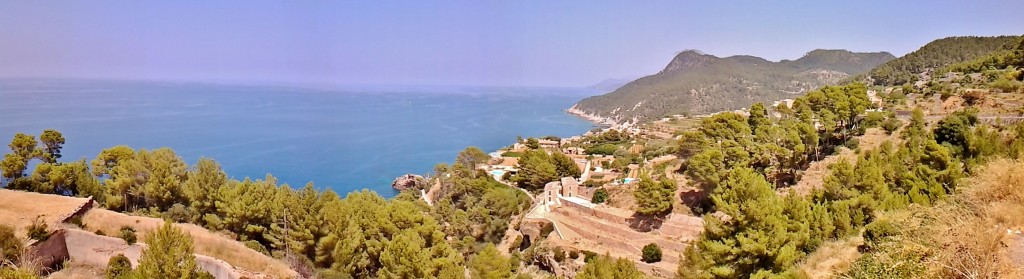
(343, 139)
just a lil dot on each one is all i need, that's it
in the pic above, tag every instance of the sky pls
(478, 43)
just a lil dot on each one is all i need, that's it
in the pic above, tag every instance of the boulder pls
(409, 181)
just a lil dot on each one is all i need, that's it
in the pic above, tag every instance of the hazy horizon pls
(454, 43)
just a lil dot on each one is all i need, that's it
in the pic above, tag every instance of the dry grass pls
(206, 242)
(78, 271)
(832, 258)
(621, 196)
(964, 237)
(18, 209)
(976, 236)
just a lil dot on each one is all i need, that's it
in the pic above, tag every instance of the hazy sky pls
(523, 43)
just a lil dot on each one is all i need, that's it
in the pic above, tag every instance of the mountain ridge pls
(694, 82)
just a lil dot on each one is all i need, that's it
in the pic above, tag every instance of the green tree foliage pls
(13, 166)
(536, 168)
(1008, 55)
(10, 245)
(654, 197)
(202, 187)
(476, 206)
(128, 234)
(606, 267)
(362, 229)
(52, 141)
(67, 179)
(780, 148)
(937, 54)
(564, 165)
(471, 156)
(38, 229)
(532, 143)
(600, 196)
(119, 267)
(955, 133)
(757, 236)
(145, 179)
(109, 158)
(651, 253)
(169, 254)
(8, 272)
(23, 148)
(489, 264)
(758, 117)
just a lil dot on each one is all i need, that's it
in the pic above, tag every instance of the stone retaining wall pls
(96, 250)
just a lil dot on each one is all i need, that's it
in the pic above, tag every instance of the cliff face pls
(698, 83)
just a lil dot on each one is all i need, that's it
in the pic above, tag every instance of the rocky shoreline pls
(597, 119)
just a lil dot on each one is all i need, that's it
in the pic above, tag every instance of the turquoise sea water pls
(344, 140)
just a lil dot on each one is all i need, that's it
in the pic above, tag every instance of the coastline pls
(596, 119)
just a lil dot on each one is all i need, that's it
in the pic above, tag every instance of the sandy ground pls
(206, 242)
(19, 209)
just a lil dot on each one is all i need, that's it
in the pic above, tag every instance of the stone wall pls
(50, 252)
(96, 250)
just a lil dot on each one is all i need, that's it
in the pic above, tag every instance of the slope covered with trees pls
(938, 54)
(361, 235)
(697, 83)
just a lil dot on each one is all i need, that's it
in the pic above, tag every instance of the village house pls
(574, 151)
(555, 192)
(546, 143)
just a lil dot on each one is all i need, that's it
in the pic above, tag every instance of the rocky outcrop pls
(409, 181)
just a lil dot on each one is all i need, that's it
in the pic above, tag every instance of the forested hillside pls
(320, 233)
(697, 83)
(937, 54)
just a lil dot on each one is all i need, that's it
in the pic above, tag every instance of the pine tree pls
(564, 165)
(606, 267)
(169, 254)
(489, 264)
(654, 197)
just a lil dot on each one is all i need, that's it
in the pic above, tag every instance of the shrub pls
(600, 196)
(38, 230)
(1005, 85)
(877, 230)
(76, 220)
(101, 232)
(10, 245)
(256, 246)
(574, 254)
(588, 255)
(853, 143)
(651, 253)
(119, 267)
(17, 273)
(515, 244)
(891, 125)
(559, 254)
(546, 229)
(974, 97)
(177, 213)
(128, 234)
(873, 119)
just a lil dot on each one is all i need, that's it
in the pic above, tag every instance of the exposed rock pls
(409, 181)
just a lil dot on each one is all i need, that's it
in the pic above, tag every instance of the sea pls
(345, 138)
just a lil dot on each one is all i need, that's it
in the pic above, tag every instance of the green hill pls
(937, 54)
(698, 83)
